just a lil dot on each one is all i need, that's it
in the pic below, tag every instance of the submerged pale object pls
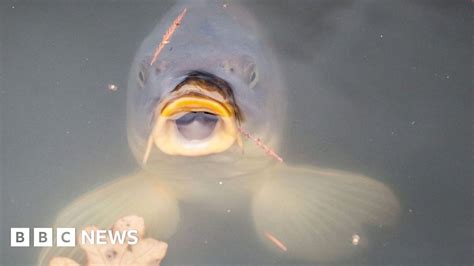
(214, 77)
(146, 252)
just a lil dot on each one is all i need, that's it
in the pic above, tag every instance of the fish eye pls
(253, 76)
(244, 67)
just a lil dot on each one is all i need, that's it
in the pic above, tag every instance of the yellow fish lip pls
(196, 94)
(196, 103)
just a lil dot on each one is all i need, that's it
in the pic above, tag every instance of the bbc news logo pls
(66, 237)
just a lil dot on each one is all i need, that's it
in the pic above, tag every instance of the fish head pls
(214, 77)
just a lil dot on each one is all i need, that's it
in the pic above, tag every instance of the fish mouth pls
(197, 125)
(199, 117)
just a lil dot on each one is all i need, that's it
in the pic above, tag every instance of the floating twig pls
(269, 151)
(276, 241)
(167, 36)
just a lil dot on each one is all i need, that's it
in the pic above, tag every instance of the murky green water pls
(381, 88)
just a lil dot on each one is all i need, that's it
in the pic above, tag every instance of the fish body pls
(189, 111)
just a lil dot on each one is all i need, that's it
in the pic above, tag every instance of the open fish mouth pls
(197, 125)
(199, 117)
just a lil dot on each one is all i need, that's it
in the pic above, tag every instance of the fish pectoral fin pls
(319, 215)
(132, 195)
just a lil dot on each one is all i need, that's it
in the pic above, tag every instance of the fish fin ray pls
(137, 195)
(315, 213)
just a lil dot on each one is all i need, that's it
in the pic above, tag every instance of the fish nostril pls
(141, 78)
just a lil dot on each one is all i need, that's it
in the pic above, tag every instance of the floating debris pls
(112, 87)
(269, 151)
(61, 261)
(355, 239)
(147, 251)
(167, 37)
(276, 241)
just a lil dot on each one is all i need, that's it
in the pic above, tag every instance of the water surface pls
(381, 88)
